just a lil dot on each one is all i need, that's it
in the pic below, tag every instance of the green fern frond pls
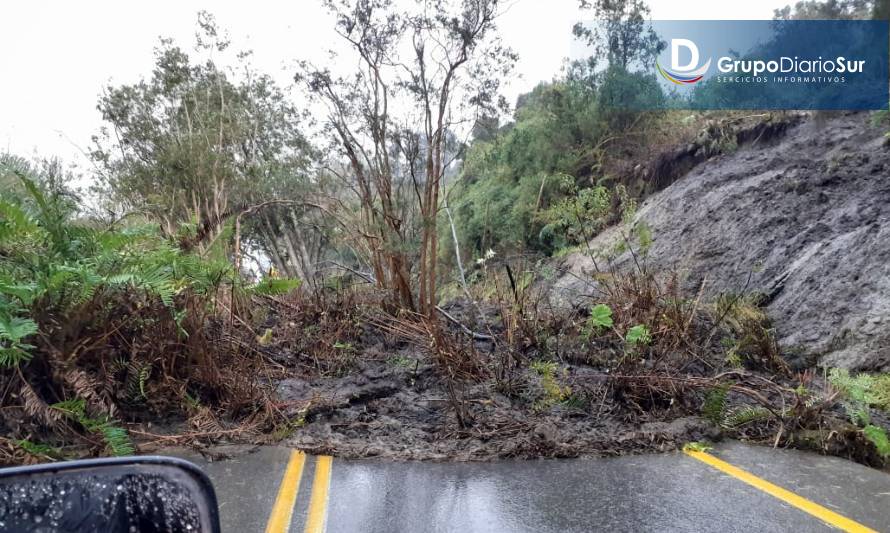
(746, 415)
(38, 450)
(75, 407)
(858, 393)
(14, 356)
(25, 292)
(878, 437)
(13, 331)
(14, 220)
(117, 439)
(856, 388)
(137, 377)
(714, 408)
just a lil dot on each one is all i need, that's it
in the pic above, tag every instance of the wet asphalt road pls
(668, 492)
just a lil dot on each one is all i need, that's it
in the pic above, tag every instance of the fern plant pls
(63, 283)
(878, 437)
(115, 438)
(745, 415)
(44, 451)
(860, 392)
(714, 407)
(857, 395)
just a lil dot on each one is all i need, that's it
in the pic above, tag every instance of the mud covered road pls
(735, 487)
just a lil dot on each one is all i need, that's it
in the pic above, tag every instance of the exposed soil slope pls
(802, 220)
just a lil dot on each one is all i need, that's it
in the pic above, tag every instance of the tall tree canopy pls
(423, 74)
(197, 143)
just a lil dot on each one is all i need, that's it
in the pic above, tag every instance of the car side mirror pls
(127, 494)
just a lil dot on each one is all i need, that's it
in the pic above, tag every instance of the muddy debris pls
(398, 414)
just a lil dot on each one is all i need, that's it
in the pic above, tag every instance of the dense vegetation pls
(150, 297)
(102, 321)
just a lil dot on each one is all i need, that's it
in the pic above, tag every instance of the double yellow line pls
(282, 511)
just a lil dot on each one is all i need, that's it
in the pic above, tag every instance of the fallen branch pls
(468, 331)
(189, 436)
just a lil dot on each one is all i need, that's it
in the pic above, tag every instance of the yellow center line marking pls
(279, 520)
(826, 515)
(319, 503)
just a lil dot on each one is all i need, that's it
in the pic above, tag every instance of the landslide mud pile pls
(803, 220)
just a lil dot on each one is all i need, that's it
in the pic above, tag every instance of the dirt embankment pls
(803, 219)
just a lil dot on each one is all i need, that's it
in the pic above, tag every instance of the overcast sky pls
(56, 56)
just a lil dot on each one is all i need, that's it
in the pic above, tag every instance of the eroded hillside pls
(801, 219)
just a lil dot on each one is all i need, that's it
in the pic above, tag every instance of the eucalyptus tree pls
(424, 69)
(620, 37)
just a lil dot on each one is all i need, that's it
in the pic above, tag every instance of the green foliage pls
(859, 393)
(751, 341)
(77, 301)
(697, 447)
(581, 215)
(622, 35)
(184, 143)
(13, 330)
(116, 438)
(623, 95)
(638, 335)
(543, 368)
(38, 450)
(878, 436)
(274, 286)
(197, 142)
(402, 361)
(644, 237)
(880, 391)
(600, 316)
(746, 415)
(714, 408)
(599, 320)
(553, 392)
(55, 265)
(540, 183)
